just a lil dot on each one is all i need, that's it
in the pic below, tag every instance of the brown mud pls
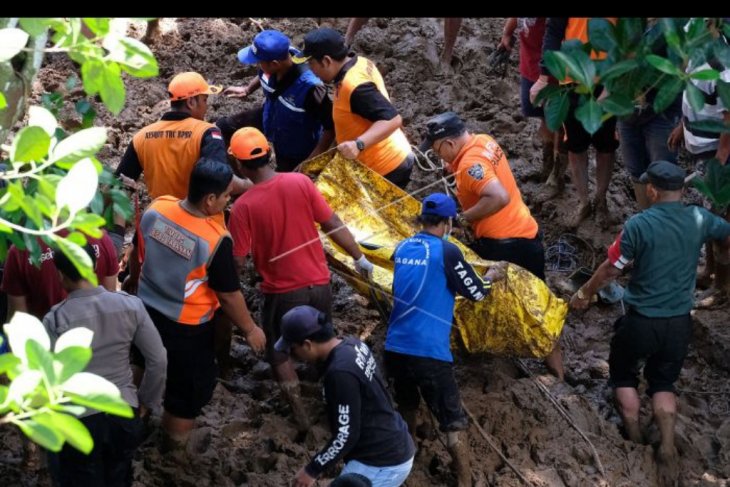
(245, 437)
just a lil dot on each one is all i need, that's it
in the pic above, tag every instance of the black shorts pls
(191, 369)
(415, 377)
(578, 140)
(527, 253)
(276, 306)
(663, 342)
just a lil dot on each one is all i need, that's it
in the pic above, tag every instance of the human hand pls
(497, 271)
(256, 339)
(364, 267)
(349, 149)
(236, 92)
(580, 300)
(302, 479)
(537, 87)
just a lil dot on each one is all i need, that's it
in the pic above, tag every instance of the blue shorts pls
(528, 109)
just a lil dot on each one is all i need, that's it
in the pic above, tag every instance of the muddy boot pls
(293, 397)
(633, 430)
(173, 445)
(667, 457)
(548, 161)
(583, 212)
(555, 184)
(458, 446)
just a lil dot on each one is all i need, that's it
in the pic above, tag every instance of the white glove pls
(364, 267)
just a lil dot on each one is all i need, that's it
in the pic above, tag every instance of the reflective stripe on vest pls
(167, 151)
(386, 155)
(178, 250)
(293, 132)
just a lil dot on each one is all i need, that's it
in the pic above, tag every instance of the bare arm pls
(508, 32)
(605, 273)
(723, 145)
(16, 303)
(342, 236)
(378, 131)
(492, 199)
(325, 141)
(235, 308)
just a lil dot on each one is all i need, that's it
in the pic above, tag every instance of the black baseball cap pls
(446, 124)
(320, 43)
(298, 324)
(664, 175)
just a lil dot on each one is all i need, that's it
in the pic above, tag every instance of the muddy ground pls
(245, 437)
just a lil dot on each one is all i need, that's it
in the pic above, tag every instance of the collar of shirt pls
(174, 115)
(345, 68)
(83, 293)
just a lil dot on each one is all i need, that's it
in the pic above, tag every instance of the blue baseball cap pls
(439, 204)
(268, 45)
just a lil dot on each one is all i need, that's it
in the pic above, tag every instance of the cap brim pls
(282, 346)
(300, 59)
(644, 178)
(213, 90)
(246, 56)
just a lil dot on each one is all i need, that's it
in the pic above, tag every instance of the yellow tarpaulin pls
(521, 317)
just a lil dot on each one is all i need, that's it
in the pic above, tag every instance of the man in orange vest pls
(557, 31)
(188, 273)
(367, 125)
(490, 200)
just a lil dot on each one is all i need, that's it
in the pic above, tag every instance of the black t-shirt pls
(366, 100)
(211, 145)
(365, 426)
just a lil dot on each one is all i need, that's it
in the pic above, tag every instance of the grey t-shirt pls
(118, 320)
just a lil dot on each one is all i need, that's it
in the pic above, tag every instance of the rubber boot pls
(458, 446)
(667, 457)
(293, 396)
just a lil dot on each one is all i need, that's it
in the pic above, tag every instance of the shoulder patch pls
(476, 171)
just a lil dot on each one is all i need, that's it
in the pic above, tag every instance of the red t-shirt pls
(42, 287)
(275, 222)
(531, 49)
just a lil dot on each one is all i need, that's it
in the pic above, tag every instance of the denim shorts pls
(528, 109)
(644, 139)
(392, 476)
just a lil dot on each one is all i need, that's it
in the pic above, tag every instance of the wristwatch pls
(580, 294)
(360, 144)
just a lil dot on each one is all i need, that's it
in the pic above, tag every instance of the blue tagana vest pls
(293, 132)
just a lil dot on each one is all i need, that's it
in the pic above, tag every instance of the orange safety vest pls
(386, 155)
(179, 248)
(167, 151)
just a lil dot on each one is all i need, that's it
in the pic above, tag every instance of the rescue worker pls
(490, 200)
(367, 125)
(367, 432)
(661, 247)
(275, 221)
(296, 116)
(187, 274)
(417, 346)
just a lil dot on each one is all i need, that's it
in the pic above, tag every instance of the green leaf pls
(723, 89)
(72, 429)
(556, 110)
(33, 248)
(43, 118)
(618, 69)
(667, 94)
(70, 361)
(91, 74)
(579, 67)
(663, 64)
(628, 32)
(99, 26)
(12, 41)
(104, 403)
(32, 211)
(618, 104)
(75, 337)
(705, 74)
(695, 96)
(34, 26)
(78, 257)
(31, 144)
(8, 361)
(112, 88)
(46, 186)
(40, 359)
(554, 64)
(671, 33)
(89, 223)
(78, 238)
(23, 385)
(716, 183)
(78, 187)
(45, 205)
(722, 52)
(84, 143)
(3, 102)
(589, 114)
(69, 409)
(48, 438)
(601, 35)
(715, 126)
(133, 56)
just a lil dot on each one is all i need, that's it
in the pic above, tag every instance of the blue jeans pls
(644, 139)
(392, 476)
